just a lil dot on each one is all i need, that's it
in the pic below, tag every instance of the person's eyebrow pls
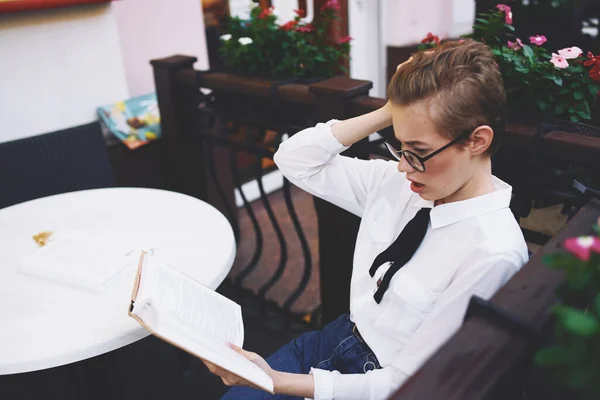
(415, 143)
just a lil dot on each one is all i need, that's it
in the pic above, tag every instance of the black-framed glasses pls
(418, 162)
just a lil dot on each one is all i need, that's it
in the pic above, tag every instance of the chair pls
(58, 162)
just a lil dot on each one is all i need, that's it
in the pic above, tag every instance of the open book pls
(183, 312)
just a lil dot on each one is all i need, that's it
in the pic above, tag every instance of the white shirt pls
(471, 247)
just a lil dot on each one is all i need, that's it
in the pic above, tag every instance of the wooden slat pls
(473, 361)
(28, 5)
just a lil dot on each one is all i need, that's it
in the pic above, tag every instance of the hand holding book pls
(181, 311)
(230, 379)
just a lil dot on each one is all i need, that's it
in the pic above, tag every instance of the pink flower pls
(538, 40)
(507, 13)
(570, 52)
(582, 247)
(331, 4)
(344, 39)
(305, 28)
(503, 7)
(508, 18)
(515, 45)
(559, 61)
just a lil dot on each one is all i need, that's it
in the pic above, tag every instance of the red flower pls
(331, 5)
(345, 39)
(300, 13)
(266, 12)
(305, 28)
(288, 26)
(431, 38)
(594, 62)
(582, 247)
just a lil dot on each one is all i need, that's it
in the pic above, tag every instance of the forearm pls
(352, 130)
(301, 385)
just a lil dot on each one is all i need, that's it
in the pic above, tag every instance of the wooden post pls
(178, 107)
(337, 228)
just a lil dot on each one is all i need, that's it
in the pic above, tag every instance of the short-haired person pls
(436, 227)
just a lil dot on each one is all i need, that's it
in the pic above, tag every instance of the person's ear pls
(481, 140)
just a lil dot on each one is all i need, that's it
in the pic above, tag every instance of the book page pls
(188, 315)
(186, 302)
(217, 354)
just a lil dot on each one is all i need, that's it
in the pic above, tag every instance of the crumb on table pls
(42, 238)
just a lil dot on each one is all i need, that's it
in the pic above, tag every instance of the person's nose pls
(404, 166)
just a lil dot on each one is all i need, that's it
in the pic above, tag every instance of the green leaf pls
(578, 322)
(522, 70)
(574, 118)
(579, 279)
(509, 27)
(597, 305)
(558, 80)
(482, 20)
(578, 95)
(528, 51)
(584, 114)
(564, 90)
(559, 260)
(552, 356)
(541, 104)
(593, 88)
(559, 108)
(577, 69)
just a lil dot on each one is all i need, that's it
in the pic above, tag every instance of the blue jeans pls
(335, 347)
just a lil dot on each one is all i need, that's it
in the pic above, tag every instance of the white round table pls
(44, 323)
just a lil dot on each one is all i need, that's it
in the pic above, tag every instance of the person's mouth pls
(417, 187)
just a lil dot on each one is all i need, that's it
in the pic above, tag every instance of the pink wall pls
(157, 28)
(406, 22)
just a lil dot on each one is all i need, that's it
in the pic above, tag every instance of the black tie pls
(401, 251)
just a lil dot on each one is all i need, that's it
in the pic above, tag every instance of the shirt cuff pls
(323, 384)
(328, 141)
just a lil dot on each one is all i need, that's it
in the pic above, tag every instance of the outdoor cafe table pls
(44, 323)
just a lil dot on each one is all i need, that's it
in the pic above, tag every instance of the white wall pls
(406, 22)
(58, 65)
(367, 51)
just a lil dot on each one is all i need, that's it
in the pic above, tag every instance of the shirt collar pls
(450, 213)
